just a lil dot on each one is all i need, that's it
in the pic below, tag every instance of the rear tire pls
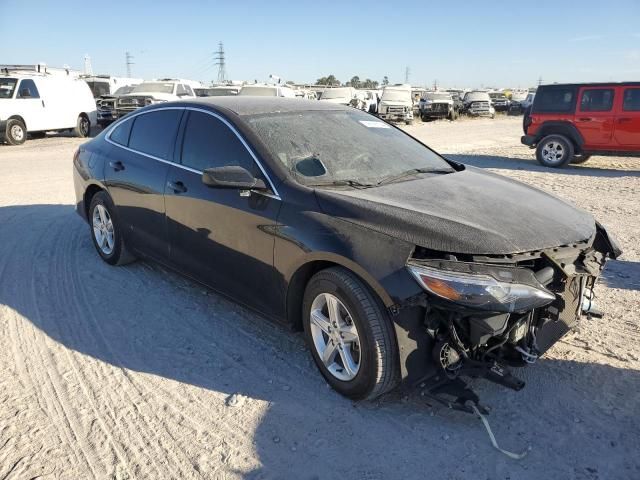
(554, 151)
(106, 231)
(578, 159)
(83, 126)
(15, 132)
(362, 313)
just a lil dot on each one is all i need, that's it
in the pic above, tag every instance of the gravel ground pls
(136, 372)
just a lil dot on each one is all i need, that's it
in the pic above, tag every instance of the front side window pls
(209, 143)
(322, 147)
(99, 88)
(28, 89)
(597, 100)
(120, 134)
(631, 101)
(7, 87)
(181, 90)
(154, 133)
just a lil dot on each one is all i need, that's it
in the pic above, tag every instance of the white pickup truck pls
(396, 104)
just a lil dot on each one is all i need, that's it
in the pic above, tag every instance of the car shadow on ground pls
(624, 274)
(578, 417)
(512, 163)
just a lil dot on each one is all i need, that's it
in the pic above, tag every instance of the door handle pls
(177, 187)
(43, 103)
(117, 166)
(584, 119)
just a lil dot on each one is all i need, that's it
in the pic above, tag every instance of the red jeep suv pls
(569, 123)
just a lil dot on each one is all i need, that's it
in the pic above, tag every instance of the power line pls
(129, 57)
(220, 63)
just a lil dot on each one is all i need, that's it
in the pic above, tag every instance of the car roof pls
(592, 84)
(247, 105)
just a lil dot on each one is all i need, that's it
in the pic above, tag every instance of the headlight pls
(483, 287)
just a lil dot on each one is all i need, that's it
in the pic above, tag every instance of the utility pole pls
(406, 75)
(129, 57)
(220, 62)
(88, 70)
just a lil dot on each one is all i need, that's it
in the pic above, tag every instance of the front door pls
(135, 173)
(595, 116)
(31, 106)
(222, 237)
(627, 132)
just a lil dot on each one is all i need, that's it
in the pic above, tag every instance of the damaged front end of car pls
(484, 314)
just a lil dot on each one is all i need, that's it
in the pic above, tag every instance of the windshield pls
(475, 96)
(219, 92)
(259, 91)
(99, 88)
(437, 96)
(156, 87)
(396, 95)
(7, 86)
(336, 93)
(322, 147)
(124, 90)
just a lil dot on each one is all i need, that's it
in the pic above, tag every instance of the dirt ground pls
(128, 372)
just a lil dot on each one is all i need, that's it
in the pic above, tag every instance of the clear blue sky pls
(489, 43)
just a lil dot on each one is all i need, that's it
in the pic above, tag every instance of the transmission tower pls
(219, 61)
(129, 57)
(406, 75)
(540, 80)
(88, 70)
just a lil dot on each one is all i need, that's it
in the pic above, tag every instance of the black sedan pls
(397, 263)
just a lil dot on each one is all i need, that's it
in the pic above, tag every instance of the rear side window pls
(596, 100)
(154, 133)
(209, 143)
(120, 134)
(631, 100)
(28, 89)
(555, 100)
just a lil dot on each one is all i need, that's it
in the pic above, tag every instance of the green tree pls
(385, 80)
(355, 81)
(330, 80)
(368, 83)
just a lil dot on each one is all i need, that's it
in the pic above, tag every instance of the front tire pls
(106, 232)
(350, 335)
(554, 151)
(15, 132)
(83, 126)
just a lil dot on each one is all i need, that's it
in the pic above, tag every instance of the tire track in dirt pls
(169, 460)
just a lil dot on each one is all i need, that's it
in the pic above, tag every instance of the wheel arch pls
(566, 129)
(300, 276)
(88, 195)
(18, 117)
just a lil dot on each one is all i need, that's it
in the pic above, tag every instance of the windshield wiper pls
(342, 183)
(413, 171)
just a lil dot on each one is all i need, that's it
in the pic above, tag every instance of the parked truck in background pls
(396, 104)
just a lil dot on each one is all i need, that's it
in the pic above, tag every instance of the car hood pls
(340, 100)
(394, 103)
(157, 95)
(470, 211)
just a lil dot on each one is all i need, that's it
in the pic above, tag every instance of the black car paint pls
(261, 249)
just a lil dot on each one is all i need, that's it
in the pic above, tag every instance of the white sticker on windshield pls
(374, 124)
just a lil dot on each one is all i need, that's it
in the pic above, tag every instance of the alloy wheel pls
(103, 229)
(335, 337)
(553, 152)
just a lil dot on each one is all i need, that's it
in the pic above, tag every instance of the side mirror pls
(232, 177)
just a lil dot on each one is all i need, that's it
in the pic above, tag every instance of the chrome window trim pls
(107, 137)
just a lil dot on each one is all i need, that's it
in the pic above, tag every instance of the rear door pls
(222, 237)
(595, 116)
(627, 133)
(135, 173)
(31, 106)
